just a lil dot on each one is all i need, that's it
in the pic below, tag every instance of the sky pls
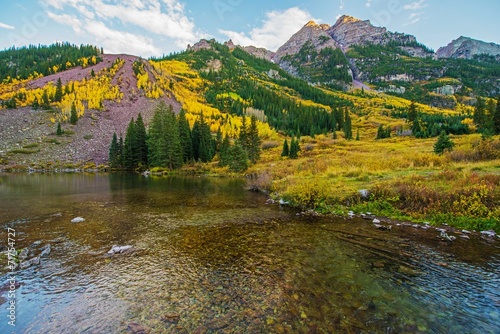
(156, 27)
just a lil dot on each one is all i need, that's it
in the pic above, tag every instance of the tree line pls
(42, 59)
(171, 143)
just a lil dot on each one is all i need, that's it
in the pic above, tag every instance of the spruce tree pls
(238, 161)
(224, 152)
(480, 115)
(496, 117)
(59, 91)
(286, 150)
(35, 104)
(129, 154)
(443, 143)
(254, 142)
(185, 137)
(294, 149)
(73, 118)
(157, 146)
(412, 112)
(45, 100)
(205, 150)
(357, 135)
(59, 131)
(243, 137)
(347, 126)
(174, 153)
(141, 147)
(114, 151)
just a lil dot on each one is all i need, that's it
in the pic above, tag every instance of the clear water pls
(212, 258)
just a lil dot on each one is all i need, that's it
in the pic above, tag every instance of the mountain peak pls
(347, 19)
(466, 47)
(311, 23)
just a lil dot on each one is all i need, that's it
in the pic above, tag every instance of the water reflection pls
(210, 257)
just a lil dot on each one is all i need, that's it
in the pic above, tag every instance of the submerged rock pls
(119, 249)
(45, 250)
(489, 234)
(23, 255)
(78, 220)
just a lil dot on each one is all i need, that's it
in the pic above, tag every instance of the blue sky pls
(156, 27)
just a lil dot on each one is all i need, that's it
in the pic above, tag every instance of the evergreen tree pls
(35, 104)
(253, 147)
(119, 159)
(205, 147)
(59, 131)
(383, 132)
(45, 100)
(357, 135)
(243, 137)
(480, 115)
(129, 155)
(347, 126)
(443, 143)
(294, 149)
(114, 151)
(224, 152)
(59, 91)
(417, 129)
(412, 112)
(286, 151)
(157, 146)
(238, 160)
(185, 137)
(141, 147)
(334, 134)
(496, 117)
(73, 118)
(174, 152)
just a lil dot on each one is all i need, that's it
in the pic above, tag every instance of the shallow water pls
(209, 257)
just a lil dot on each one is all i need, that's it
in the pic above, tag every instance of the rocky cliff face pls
(316, 33)
(259, 52)
(465, 47)
(349, 31)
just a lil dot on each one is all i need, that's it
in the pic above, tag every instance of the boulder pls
(119, 249)
(78, 220)
(45, 250)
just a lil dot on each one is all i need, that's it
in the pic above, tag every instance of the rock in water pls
(119, 249)
(78, 220)
(376, 221)
(45, 250)
(24, 254)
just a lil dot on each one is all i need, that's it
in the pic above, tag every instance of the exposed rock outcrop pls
(348, 31)
(465, 47)
(316, 33)
(259, 52)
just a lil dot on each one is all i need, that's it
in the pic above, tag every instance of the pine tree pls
(73, 118)
(443, 143)
(347, 126)
(114, 151)
(174, 153)
(157, 146)
(253, 146)
(286, 151)
(294, 149)
(59, 131)
(238, 160)
(205, 147)
(334, 134)
(129, 155)
(357, 135)
(185, 137)
(496, 117)
(141, 147)
(480, 115)
(59, 91)
(35, 104)
(45, 100)
(412, 112)
(243, 137)
(224, 152)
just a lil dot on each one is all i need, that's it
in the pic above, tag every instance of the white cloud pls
(163, 18)
(6, 26)
(416, 5)
(368, 3)
(275, 30)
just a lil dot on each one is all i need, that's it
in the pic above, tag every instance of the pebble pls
(376, 221)
(78, 220)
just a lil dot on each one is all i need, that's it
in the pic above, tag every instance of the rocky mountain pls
(467, 48)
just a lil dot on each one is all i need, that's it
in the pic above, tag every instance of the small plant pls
(88, 137)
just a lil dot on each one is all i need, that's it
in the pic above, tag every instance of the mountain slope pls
(467, 48)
